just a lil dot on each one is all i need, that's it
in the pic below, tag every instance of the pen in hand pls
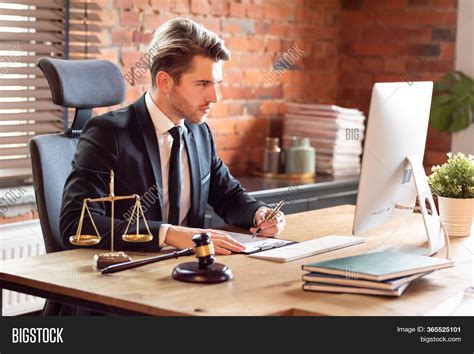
(269, 217)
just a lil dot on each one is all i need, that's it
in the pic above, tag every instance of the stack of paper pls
(335, 132)
(379, 273)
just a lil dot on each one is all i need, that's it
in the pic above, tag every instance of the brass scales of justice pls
(205, 270)
(106, 259)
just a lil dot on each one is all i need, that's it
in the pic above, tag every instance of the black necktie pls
(174, 177)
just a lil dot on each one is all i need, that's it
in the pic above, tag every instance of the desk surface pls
(259, 287)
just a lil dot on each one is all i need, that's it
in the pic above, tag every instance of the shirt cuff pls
(162, 234)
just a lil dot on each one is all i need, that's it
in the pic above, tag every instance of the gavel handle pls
(133, 264)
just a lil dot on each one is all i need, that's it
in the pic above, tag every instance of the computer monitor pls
(392, 174)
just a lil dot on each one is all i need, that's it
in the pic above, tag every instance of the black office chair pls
(80, 84)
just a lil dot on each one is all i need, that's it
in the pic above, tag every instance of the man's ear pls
(163, 82)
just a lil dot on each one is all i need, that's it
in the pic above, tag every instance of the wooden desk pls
(259, 287)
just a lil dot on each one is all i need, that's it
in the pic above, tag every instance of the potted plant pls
(452, 107)
(453, 184)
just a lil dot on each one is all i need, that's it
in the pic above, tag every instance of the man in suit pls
(160, 148)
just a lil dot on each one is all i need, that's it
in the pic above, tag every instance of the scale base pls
(192, 273)
(106, 259)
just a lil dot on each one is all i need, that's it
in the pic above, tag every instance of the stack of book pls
(335, 132)
(379, 273)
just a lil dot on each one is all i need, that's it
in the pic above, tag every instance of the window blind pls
(29, 30)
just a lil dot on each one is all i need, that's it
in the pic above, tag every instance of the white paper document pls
(308, 248)
(257, 244)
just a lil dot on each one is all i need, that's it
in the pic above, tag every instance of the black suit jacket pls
(125, 141)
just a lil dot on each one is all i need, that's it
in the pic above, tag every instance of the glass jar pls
(271, 156)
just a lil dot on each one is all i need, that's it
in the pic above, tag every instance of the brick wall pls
(347, 45)
(396, 40)
(300, 38)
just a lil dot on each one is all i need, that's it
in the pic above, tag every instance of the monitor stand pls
(435, 230)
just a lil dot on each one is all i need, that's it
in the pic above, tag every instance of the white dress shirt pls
(162, 125)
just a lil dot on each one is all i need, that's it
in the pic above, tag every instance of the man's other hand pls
(181, 237)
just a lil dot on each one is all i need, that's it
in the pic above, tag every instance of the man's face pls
(197, 91)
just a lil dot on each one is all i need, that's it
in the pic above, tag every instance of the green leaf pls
(453, 103)
(462, 116)
(440, 100)
(441, 118)
(440, 86)
(460, 120)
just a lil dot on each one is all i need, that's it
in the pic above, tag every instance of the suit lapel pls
(195, 173)
(151, 142)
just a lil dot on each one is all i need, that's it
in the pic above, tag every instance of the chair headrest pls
(83, 83)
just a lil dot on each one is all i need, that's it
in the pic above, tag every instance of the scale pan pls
(84, 240)
(137, 238)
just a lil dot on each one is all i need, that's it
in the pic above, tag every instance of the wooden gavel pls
(205, 270)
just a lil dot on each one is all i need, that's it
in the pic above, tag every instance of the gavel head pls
(203, 249)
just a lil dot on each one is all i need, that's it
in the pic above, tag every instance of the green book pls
(379, 266)
(390, 284)
(331, 288)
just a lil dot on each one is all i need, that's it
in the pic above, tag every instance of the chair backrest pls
(84, 85)
(51, 157)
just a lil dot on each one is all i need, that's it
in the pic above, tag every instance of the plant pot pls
(456, 215)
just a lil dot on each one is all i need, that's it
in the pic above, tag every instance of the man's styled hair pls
(177, 42)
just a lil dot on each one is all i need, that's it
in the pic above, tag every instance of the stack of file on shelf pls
(335, 132)
(379, 273)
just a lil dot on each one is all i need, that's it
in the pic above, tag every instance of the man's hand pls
(181, 237)
(270, 228)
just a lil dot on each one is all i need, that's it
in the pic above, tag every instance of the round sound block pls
(191, 272)
(106, 259)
